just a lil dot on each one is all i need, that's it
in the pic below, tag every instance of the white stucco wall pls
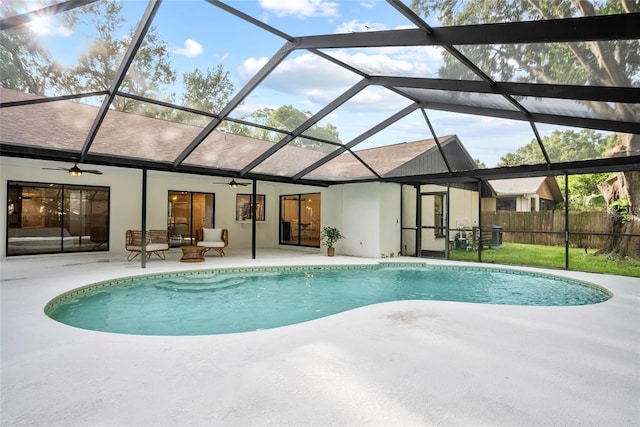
(368, 214)
(389, 219)
(125, 192)
(369, 218)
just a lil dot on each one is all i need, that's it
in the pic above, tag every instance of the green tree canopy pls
(28, 66)
(209, 91)
(565, 146)
(288, 118)
(562, 146)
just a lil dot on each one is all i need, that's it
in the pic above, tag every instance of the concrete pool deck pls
(402, 363)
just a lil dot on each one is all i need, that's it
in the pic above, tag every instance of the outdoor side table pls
(192, 253)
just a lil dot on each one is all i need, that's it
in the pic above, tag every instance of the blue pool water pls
(241, 300)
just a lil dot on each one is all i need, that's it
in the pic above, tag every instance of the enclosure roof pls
(322, 94)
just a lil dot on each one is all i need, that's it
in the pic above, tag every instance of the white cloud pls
(300, 8)
(311, 77)
(191, 49)
(356, 26)
(406, 62)
(251, 66)
(306, 74)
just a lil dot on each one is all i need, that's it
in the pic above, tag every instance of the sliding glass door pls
(188, 212)
(300, 219)
(53, 218)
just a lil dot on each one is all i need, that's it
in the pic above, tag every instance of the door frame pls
(422, 229)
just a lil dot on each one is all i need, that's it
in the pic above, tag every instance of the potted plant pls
(330, 235)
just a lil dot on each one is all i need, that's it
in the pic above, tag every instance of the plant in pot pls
(330, 235)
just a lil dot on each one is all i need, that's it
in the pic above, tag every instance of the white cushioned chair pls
(157, 242)
(213, 238)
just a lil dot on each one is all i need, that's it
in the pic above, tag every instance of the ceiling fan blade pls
(233, 183)
(75, 170)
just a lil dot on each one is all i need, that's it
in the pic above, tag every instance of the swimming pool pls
(248, 299)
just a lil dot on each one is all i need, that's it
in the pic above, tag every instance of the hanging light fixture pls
(75, 171)
(233, 184)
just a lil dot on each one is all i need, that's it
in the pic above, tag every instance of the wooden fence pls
(548, 227)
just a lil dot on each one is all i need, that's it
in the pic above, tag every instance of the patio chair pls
(213, 238)
(157, 242)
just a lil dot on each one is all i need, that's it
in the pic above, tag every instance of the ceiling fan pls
(75, 170)
(234, 184)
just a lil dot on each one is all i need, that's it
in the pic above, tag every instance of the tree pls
(289, 118)
(479, 164)
(198, 93)
(561, 146)
(584, 193)
(26, 65)
(208, 92)
(600, 63)
(149, 74)
(566, 146)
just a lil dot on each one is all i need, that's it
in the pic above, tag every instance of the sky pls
(199, 35)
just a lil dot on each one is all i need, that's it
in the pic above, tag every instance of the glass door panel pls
(187, 213)
(289, 220)
(300, 219)
(53, 218)
(85, 220)
(433, 239)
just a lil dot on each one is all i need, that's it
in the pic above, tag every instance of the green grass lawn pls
(553, 257)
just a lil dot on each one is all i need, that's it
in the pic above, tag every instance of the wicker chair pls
(157, 242)
(213, 238)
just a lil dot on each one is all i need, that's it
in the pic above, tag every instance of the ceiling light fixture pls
(75, 171)
(233, 184)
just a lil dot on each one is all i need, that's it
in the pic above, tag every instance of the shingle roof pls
(504, 187)
(64, 125)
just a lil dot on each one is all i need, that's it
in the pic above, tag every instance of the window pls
(506, 204)
(54, 218)
(300, 220)
(547, 205)
(244, 207)
(188, 212)
(533, 204)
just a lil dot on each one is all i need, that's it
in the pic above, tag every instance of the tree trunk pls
(624, 185)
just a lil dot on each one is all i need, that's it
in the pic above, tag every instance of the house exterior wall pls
(463, 208)
(125, 192)
(368, 213)
(488, 204)
(545, 191)
(389, 219)
(369, 220)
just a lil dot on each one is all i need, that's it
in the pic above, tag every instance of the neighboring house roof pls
(545, 186)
